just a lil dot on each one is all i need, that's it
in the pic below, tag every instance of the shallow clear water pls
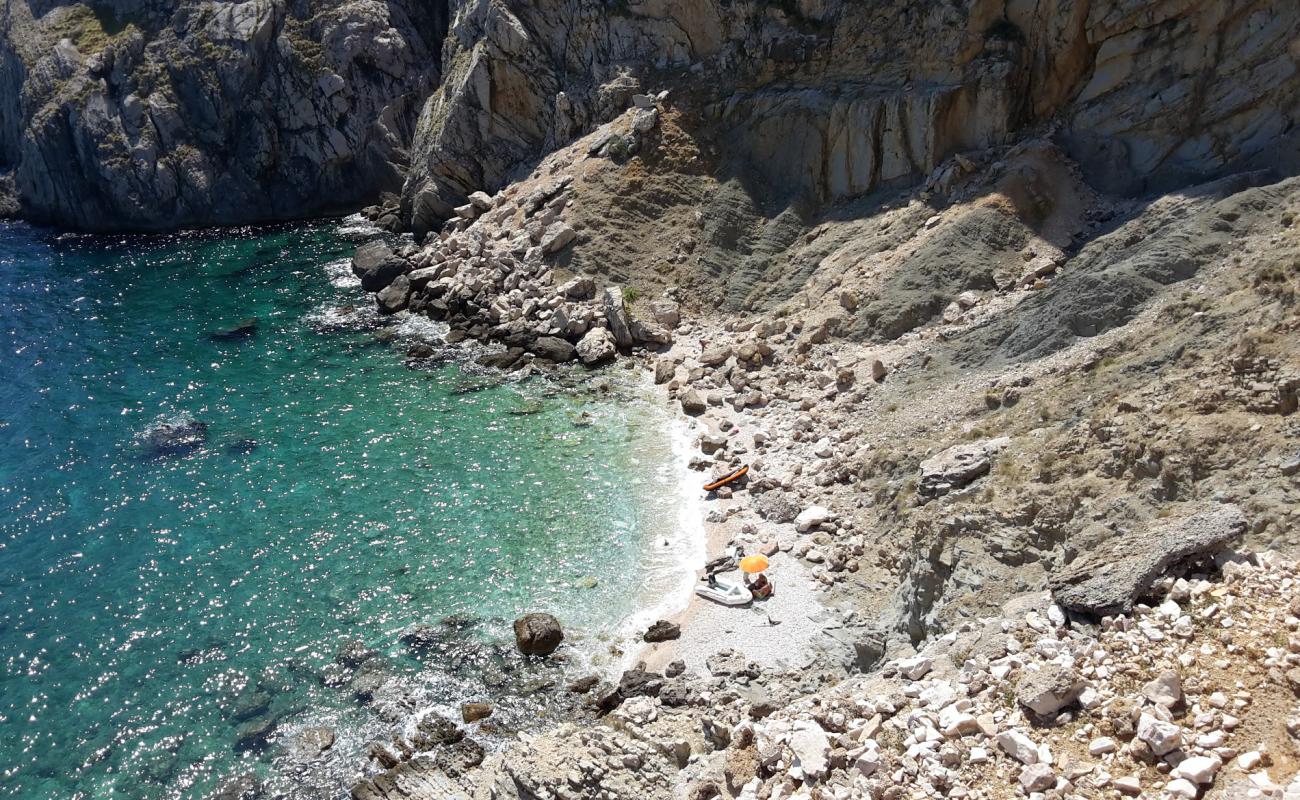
(339, 494)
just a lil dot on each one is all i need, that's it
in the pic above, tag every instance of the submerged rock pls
(353, 653)
(538, 634)
(311, 742)
(241, 447)
(174, 436)
(254, 735)
(244, 329)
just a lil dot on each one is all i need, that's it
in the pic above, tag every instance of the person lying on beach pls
(760, 587)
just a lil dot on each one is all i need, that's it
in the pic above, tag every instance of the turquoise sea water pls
(151, 605)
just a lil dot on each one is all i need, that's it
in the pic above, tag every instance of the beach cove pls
(177, 613)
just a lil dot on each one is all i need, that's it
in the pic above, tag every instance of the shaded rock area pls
(244, 329)
(153, 115)
(1110, 578)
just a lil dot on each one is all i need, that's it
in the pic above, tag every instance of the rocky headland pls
(997, 301)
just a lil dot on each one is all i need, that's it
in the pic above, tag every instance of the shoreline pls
(692, 544)
(783, 632)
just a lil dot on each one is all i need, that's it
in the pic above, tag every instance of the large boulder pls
(640, 683)
(394, 297)
(579, 288)
(692, 402)
(715, 356)
(596, 347)
(538, 634)
(666, 313)
(958, 465)
(1108, 579)
(554, 348)
(377, 266)
(649, 333)
(662, 631)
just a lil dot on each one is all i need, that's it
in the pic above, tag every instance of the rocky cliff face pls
(139, 114)
(144, 114)
(822, 100)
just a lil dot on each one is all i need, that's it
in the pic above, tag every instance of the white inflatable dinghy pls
(725, 592)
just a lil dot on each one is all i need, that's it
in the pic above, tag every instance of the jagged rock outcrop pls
(823, 100)
(1108, 580)
(149, 115)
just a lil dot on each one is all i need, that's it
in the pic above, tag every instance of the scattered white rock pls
(811, 517)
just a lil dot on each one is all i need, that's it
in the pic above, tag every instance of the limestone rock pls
(1108, 579)
(558, 237)
(811, 749)
(1047, 690)
(716, 356)
(1018, 746)
(811, 517)
(958, 465)
(596, 347)
(692, 402)
(517, 84)
(1165, 690)
(1037, 778)
(1198, 769)
(579, 288)
(616, 316)
(394, 297)
(666, 313)
(1161, 736)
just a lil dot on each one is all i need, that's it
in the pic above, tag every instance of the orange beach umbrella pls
(753, 564)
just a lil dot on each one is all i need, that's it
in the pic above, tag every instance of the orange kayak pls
(720, 482)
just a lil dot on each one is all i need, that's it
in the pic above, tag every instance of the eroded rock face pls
(164, 115)
(829, 100)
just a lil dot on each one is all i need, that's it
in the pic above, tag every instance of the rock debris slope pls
(952, 398)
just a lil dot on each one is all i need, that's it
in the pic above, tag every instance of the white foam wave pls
(420, 327)
(356, 226)
(340, 274)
